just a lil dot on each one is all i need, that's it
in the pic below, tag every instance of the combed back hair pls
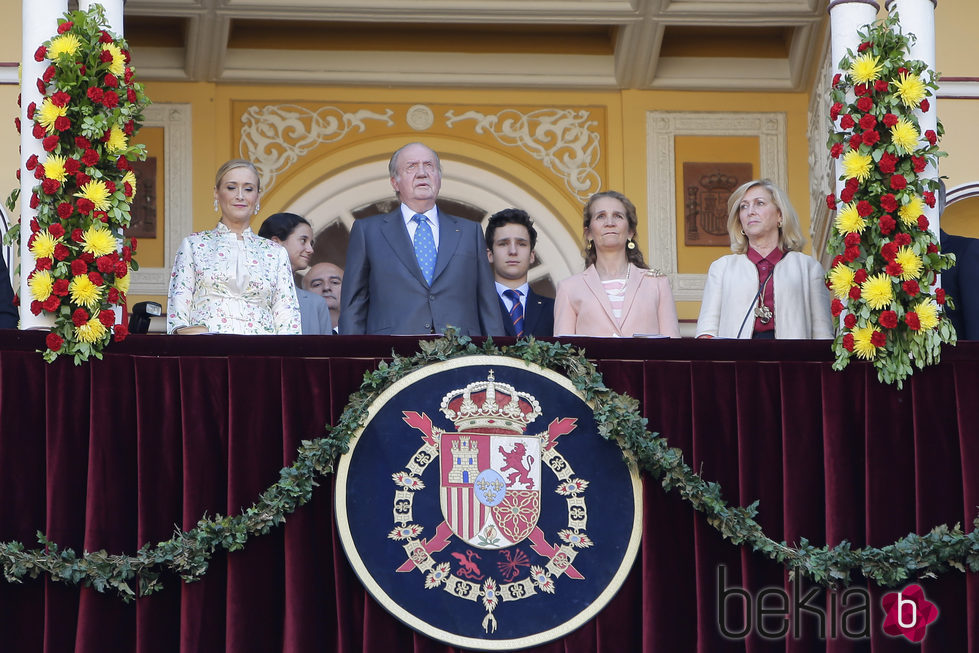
(633, 255)
(790, 238)
(281, 225)
(393, 163)
(510, 216)
(237, 163)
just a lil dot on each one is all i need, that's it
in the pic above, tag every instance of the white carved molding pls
(661, 129)
(275, 136)
(178, 217)
(822, 168)
(562, 139)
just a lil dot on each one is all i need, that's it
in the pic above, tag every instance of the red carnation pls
(863, 46)
(836, 78)
(39, 171)
(870, 137)
(128, 188)
(851, 239)
(878, 339)
(50, 186)
(860, 275)
(902, 71)
(60, 99)
(894, 269)
(836, 150)
(922, 223)
(36, 307)
(846, 122)
(889, 251)
(101, 215)
(110, 80)
(889, 119)
(94, 94)
(96, 278)
(932, 248)
(60, 287)
(925, 105)
(836, 307)
(126, 253)
(887, 164)
(860, 89)
(84, 205)
(831, 201)
(110, 100)
(121, 268)
(31, 108)
(52, 303)
(132, 243)
(888, 202)
(940, 295)
(902, 239)
(78, 267)
(79, 317)
(864, 208)
(105, 37)
(77, 235)
(836, 261)
(112, 296)
(35, 201)
(42, 89)
(919, 163)
(931, 136)
(38, 131)
(929, 198)
(129, 128)
(851, 254)
(17, 174)
(61, 252)
(81, 68)
(50, 143)
(856, 141)
(911, 319)
(848, 342)
(898, 182)
(834, 111)
(131, 96)
(868, 121)
(105, 57)
(82, 143)
(72, 165)
(43, 263)
(90, 157)
(865, 104)
(107, 318)
(31, 162)
(125, 55)
(120, 331)
(87, 257)
(81, 178)
(846, 195)
(56, 230)
(123, 163)
(110, 186)
(65, 26)
(62, 123)
(106, 264)
(128, 75)
(880, 86)
(40, 54)
(48, 75)
(911, 287)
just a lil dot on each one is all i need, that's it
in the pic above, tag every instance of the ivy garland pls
(188, 553)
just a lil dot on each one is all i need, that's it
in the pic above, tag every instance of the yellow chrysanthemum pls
(877, 291)
(117, 140)
(96, 192)
(43, 245)
(64, 44)
(904, 135)
(129, 178)
(84, 292)
(40, 285)
(910, 263)
(863, 342)
(91, 331)
(841, 280)
(122, 283)
(849, 221)
(857, 165)
(54, 167)
(909, 212)
(98, 242)
(118, 65)
(865, 68)
(927, 314)
(910, 89)
(48, 113)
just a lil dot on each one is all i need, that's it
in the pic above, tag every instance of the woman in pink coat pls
(617, 295)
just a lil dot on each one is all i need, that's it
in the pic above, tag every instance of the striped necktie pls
(516, 313)
(424, 242)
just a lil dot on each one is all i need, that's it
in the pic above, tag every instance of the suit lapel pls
(631, 288)
(450, 234)
(505, 314)
(594, 284)
(396, 234)
(532, 314)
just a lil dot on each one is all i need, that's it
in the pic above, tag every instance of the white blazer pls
(802, 302)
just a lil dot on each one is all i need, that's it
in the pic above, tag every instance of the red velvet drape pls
(120, 452)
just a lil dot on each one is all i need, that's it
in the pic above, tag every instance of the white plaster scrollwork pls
(561, 139)
(274, 136)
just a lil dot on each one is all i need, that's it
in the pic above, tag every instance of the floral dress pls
(232, 285)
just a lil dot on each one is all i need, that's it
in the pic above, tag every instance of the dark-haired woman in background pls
(617, 294)
(295, 234)
(768, 288)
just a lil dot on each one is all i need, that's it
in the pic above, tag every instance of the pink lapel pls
(594, 284)
(631, 289)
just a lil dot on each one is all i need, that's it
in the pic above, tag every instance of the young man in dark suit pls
(510, 242)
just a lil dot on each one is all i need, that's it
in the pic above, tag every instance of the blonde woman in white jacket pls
(767, 289)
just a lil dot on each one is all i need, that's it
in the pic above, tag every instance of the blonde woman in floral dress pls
(229, 280)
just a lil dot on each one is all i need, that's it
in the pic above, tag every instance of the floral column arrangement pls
(885, 258)
(91, 106)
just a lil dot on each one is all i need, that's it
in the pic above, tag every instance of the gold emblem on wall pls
(706, 189)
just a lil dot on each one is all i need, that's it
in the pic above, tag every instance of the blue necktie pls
(424, 243)
(516, 312)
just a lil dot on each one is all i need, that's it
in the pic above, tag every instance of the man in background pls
(417, 269)
(326, 279)
(510, 241)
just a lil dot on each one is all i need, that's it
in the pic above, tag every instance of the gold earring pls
(742, 232)
(630, 244)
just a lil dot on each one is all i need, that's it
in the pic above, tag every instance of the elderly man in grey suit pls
(417, 269)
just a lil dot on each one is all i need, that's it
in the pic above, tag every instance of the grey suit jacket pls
(315, 314)
(384, 291)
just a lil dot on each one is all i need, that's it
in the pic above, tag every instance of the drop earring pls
(257, 207)
(630, 244)
(215, 205)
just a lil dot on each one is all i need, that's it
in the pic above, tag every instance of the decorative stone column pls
(846, 17)
(40, 22)
(918, 18)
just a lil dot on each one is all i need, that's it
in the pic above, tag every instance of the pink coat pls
(582, 307)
